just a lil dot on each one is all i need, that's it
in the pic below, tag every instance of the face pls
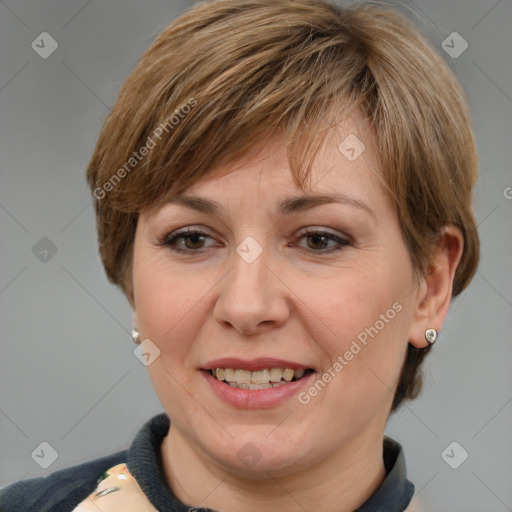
(322, 293)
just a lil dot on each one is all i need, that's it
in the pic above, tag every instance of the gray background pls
(68, 373)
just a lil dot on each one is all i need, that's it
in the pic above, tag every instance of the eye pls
(193, 240)
(319, 239)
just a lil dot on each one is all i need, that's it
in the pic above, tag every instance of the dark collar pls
(395, 492)
(145, 464)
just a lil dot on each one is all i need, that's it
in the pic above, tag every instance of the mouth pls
(257, 384)
(264, 378)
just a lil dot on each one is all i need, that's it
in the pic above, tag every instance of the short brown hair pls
(228, 73)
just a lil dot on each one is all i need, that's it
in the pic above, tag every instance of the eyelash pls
(170, 240)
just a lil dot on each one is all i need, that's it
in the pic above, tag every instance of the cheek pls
(347, 304)
(164, 299)
(168, 305)
(363, 317)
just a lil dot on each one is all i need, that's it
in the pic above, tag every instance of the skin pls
(293, 303)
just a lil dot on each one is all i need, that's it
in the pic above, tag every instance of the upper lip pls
(253, 364)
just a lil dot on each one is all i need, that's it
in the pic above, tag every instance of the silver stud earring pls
(431, 336)
(135, 336)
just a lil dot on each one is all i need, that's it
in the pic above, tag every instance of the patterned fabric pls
(117, 490)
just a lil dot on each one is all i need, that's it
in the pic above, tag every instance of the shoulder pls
(61, 490)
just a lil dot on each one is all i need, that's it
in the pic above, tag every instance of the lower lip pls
(255, 398)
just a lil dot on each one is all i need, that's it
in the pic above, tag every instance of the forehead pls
(347, 161)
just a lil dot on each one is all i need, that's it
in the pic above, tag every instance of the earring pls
(135, 335)
(431, 336)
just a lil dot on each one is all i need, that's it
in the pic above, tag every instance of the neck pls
(340, 483)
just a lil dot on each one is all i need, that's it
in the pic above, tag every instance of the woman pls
(283, 192)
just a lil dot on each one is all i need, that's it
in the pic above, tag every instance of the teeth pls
(229, 374)
(260, 386)
(242, 376)
(260, 379)
(276, 374)
(249, 386)
(255, 386)
(277, 384)
(288, 374)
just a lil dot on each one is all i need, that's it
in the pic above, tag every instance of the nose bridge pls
(251, 294)
(250, 269)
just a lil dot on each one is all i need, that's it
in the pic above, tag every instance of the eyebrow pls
(287, 206)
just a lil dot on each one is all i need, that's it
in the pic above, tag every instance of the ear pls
(435, 290)
(135, 320)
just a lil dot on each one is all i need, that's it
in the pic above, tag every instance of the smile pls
(260, 379)
(258, 383)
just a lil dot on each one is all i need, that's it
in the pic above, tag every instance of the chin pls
(257, 455)
(262, 464)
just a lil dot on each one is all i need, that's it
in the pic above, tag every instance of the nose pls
(252, 297)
